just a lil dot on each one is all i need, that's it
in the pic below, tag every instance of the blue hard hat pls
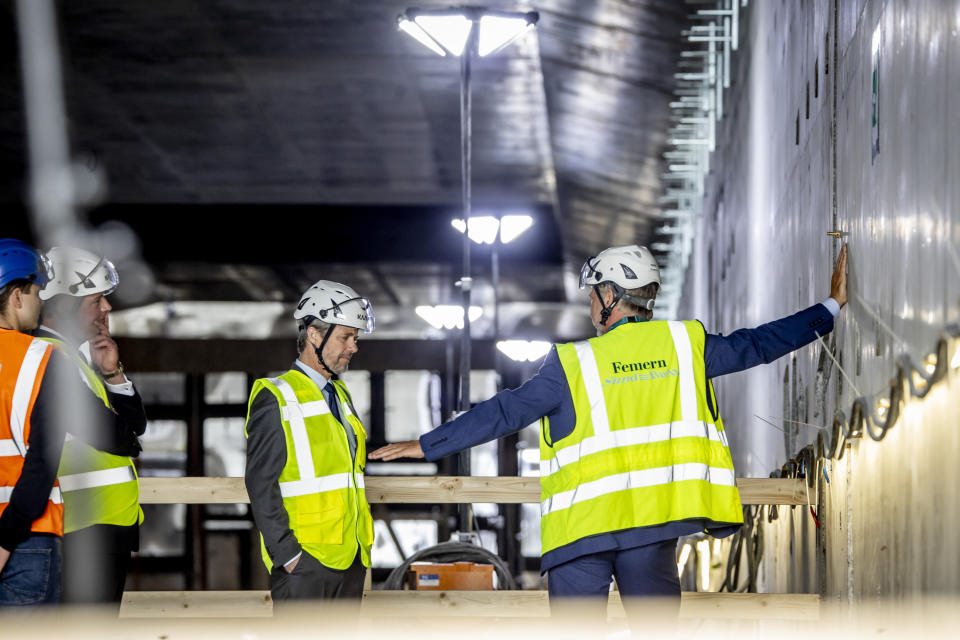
(20, 261)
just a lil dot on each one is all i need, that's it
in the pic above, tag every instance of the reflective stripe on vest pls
(23, 390)
(9, 448)
(629, 438)
(306, 409)
(309, 486)
(293, 488)
(93, 479)
(635, 480)
(294, 413)
(55, 496)
(591, 380)
(688, 389)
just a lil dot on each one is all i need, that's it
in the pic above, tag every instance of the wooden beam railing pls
(436, 489)
(441, 604)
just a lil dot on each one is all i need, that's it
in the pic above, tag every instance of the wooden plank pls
(441, 489)
(509, 604)
(751, 606)
(192, 490)
(462, 604)
(500, 604)
(773, 491)
(196, 604)
(452, 489)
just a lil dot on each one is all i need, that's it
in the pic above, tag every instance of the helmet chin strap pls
(605, 311)
(319, 351)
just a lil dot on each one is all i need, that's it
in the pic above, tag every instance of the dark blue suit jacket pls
(547, 394)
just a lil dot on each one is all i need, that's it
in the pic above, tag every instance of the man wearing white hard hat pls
(98, 479)
(633, 454)
(306, 451)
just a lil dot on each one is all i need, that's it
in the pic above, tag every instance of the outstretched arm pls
(746, 348)
(507, 412)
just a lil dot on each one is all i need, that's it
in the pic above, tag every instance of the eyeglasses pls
(45, 266)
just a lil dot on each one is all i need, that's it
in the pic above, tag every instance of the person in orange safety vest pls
(35, 381)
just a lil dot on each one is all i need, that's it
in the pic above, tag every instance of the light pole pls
(465, 32)
(496, 231)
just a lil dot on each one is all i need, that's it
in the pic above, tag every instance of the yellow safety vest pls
(322, 488)
(645, 450)
(97, 487)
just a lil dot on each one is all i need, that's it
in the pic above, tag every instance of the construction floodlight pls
(448, 31)
(524, 350)
(446, 316)
(498, 32)
(416, 32)
(512, 226)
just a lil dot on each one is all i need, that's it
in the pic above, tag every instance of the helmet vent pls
(628, 272)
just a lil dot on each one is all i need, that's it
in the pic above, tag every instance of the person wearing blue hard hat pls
(35, 380)
(24, 271)
(31, 509)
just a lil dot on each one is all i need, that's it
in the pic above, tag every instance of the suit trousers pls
(647, 578)
(95, 563)
(311, 580)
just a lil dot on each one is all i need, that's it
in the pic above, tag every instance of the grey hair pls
(60, 307)
(646, 291)
(317, 324)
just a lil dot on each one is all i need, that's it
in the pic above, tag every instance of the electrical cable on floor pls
(452, 552)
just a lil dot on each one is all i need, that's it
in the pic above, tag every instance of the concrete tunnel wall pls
(795, 160)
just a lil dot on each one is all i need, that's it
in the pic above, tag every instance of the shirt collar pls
(312, 373)
(53, 332)
(625, 321)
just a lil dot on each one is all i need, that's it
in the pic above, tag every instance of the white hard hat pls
(79, 273)
(335, 303)
(629, 267)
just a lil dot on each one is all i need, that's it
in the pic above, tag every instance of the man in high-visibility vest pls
(633, 453)
(31, 511)
(100, 490)
(40, 392)
(306, 451)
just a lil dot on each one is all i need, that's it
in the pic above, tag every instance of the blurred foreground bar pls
(460, 604)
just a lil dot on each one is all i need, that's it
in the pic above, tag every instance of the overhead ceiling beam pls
(278, 354)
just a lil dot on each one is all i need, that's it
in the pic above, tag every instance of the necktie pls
(330, 395)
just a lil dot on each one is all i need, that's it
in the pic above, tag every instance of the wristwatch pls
(106, 375)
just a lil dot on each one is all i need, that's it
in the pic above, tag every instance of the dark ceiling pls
(283, 137)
